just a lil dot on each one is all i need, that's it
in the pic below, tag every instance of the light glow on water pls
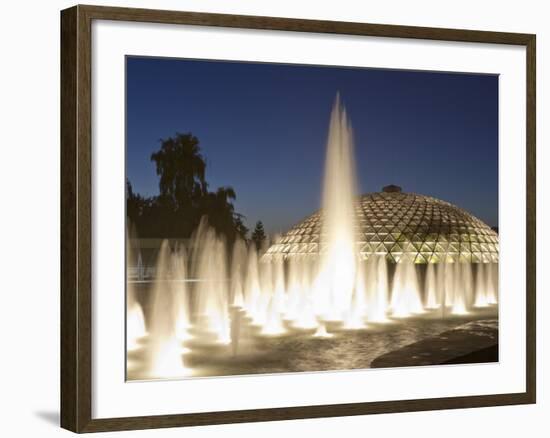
(135, 327)
(168, 361)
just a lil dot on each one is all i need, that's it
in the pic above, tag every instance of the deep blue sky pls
(263, 130)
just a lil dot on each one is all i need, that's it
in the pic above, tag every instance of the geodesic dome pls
(401, 226)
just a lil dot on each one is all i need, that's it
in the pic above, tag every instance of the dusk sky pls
(263, 131)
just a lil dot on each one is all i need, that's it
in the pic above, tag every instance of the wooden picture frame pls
(76, 217)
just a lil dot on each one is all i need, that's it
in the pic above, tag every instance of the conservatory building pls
(400, 226)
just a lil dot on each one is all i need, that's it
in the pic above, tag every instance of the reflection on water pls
(328, 347)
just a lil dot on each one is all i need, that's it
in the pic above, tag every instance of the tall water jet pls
(459, 290)
(135, 320)
(301, 298)
(378, 289)
(219, 315)
(279, 294)
(492, 282)
(405, 299)
(274, 321)
(468, 283)
(449, 277)
(181, 293)
(165, 348)
(480, 299)
(252, 291)
(238, 270)
(338, 255)
(294, 284)
(355, 318)
(212, 284)
(440, 285)
(431, 288)
(163, 314)
(263, 305)
(135, 326)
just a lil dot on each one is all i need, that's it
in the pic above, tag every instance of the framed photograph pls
(268, 218)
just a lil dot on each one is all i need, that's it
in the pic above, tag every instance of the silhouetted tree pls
(184, 197)
(181, 168)
(242, 230)
(219, 209)
(258, 235)
(135, 204)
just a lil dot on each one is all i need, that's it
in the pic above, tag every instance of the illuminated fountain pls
(212, 288)
(492, 282)
(238, 273)
(462, 288)
(169, 319)
(135, 320)
(253, 293)
(377, 289)
(405, 296)
(481, 299)
(431, 288)
(338, 259)
(358, 262)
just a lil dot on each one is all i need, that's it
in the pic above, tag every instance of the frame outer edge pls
(76, 249)
(76, 223)
(531, 250)
(68, 117)
(84, 217)
(303, 25)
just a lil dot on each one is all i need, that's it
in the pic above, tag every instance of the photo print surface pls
(297, 218)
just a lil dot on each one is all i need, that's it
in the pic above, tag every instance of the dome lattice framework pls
(401, 226)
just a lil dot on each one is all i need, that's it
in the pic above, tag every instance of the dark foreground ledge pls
(475, 342)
